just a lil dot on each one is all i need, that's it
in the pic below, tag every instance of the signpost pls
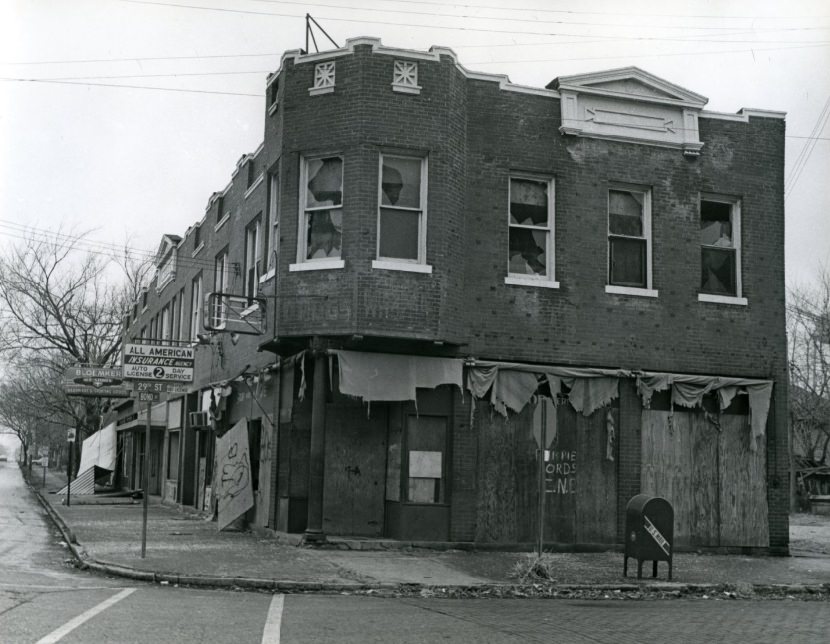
(155, 368)
(70, 437)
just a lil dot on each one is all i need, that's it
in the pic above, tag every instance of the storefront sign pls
(90, 380)
(158, 362)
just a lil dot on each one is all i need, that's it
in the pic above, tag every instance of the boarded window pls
(426, 438)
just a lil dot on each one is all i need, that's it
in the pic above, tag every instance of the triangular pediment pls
(167, 243)
(629, 82)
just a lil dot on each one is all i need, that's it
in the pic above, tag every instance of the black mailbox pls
(649, 532)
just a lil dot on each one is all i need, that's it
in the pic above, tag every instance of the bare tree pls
(808, 329)
(63, 305)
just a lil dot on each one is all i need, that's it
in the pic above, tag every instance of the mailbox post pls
(649, 532)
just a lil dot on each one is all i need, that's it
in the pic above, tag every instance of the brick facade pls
(475, 132)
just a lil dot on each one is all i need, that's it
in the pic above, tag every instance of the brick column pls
(629, 435)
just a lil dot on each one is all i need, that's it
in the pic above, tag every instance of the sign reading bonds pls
(158, 362)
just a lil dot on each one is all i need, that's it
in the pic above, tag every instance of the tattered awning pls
(689, 390)
(513, 384)
(394, 377)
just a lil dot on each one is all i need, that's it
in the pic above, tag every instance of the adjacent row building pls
(429, 272)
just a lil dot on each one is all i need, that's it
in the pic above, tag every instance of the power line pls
(437, 26)
(171, 75)
(135, 59)
(160, 89)
(807, 150)
(503, 19)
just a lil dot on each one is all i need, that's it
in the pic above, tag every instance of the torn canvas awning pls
(689, 390)
(512, 385)
(393, 377)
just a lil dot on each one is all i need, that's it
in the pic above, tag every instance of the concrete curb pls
(293, 587)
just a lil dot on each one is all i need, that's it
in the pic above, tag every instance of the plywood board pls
(596, 480)
(743, 490)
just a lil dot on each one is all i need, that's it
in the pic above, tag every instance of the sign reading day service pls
(158, 362)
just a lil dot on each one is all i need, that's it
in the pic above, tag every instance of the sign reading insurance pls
(157, 362)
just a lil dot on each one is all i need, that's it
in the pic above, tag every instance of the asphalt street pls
(43, 600)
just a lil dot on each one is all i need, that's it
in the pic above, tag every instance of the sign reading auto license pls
(156, 362)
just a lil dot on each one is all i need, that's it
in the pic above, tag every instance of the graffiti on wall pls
(234, 493)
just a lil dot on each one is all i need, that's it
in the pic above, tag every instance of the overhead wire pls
(804, 156)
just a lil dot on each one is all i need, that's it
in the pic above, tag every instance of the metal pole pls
(146, 481)
(543, 443)
(69, 475)
(44, 470)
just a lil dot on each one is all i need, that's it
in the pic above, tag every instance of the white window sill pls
(197, 250)
(273, 108)
(317, 91)
(247, 311)
(530, 281)
(722, 299)
(222, 221)
(630, 290)
(406, 89)
(254, 185)
(409, 267)
(316, 265)
(269, 275)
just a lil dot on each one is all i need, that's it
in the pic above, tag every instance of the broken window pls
(530, 243)
(322, 208)
(401, 233)
(719, 247)
(629, 238)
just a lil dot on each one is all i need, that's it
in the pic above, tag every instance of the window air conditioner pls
(198, 419)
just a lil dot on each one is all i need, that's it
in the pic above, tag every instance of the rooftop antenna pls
(309, 32)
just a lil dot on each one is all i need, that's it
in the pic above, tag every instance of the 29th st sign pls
(158, 362)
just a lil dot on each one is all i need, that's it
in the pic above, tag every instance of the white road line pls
(58, 634)
(271, 632)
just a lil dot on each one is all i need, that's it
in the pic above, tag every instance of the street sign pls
(159, 387)
(91, 380)
(158, 362)
(70, 435)
(149, 396)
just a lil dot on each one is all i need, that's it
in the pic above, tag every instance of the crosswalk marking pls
(273, 623)
(58, 634)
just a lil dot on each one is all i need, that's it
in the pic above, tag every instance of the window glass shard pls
(324, 234)
(528, 202)
(401, 182)
(325, 182)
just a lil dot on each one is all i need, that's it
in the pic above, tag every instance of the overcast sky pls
(123, 116)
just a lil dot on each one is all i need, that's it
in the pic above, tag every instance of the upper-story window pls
(165, 324)
(250, 171)
(143, 299)
(720, 246)
(195, 306)
(220, 285)
(321, 208)
(323, 78)
(166, 270)
(273, 94)
(402, 209)
(197, 237)
(629, 241)
(405, 77)
(220, 207)
(271, 237)
(530, 243)
(253, 256)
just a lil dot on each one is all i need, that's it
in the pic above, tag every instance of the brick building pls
(450, 268)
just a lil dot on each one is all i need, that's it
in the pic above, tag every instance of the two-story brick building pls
(448, 262)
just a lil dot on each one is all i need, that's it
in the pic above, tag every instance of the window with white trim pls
(195, 307)
(530, 228)
(321, 208)
(324, 75)
(165, 324)
(220, 285)
(402, 209)
(271, 238)
(720, 246)
(629, 237)
(253, 256)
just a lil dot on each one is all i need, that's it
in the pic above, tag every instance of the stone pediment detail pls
(630, 104)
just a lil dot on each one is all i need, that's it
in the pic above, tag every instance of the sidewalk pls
(187, 549)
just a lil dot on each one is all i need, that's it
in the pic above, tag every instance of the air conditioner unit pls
(198, 419)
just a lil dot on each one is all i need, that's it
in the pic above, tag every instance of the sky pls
(121, 117)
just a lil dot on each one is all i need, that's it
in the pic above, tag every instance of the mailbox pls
(649, 532)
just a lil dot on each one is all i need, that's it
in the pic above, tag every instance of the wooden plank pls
(679, 463)
(596, 481)
(355, 466)
(507, 467)
(743, 489)
(562, 483)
